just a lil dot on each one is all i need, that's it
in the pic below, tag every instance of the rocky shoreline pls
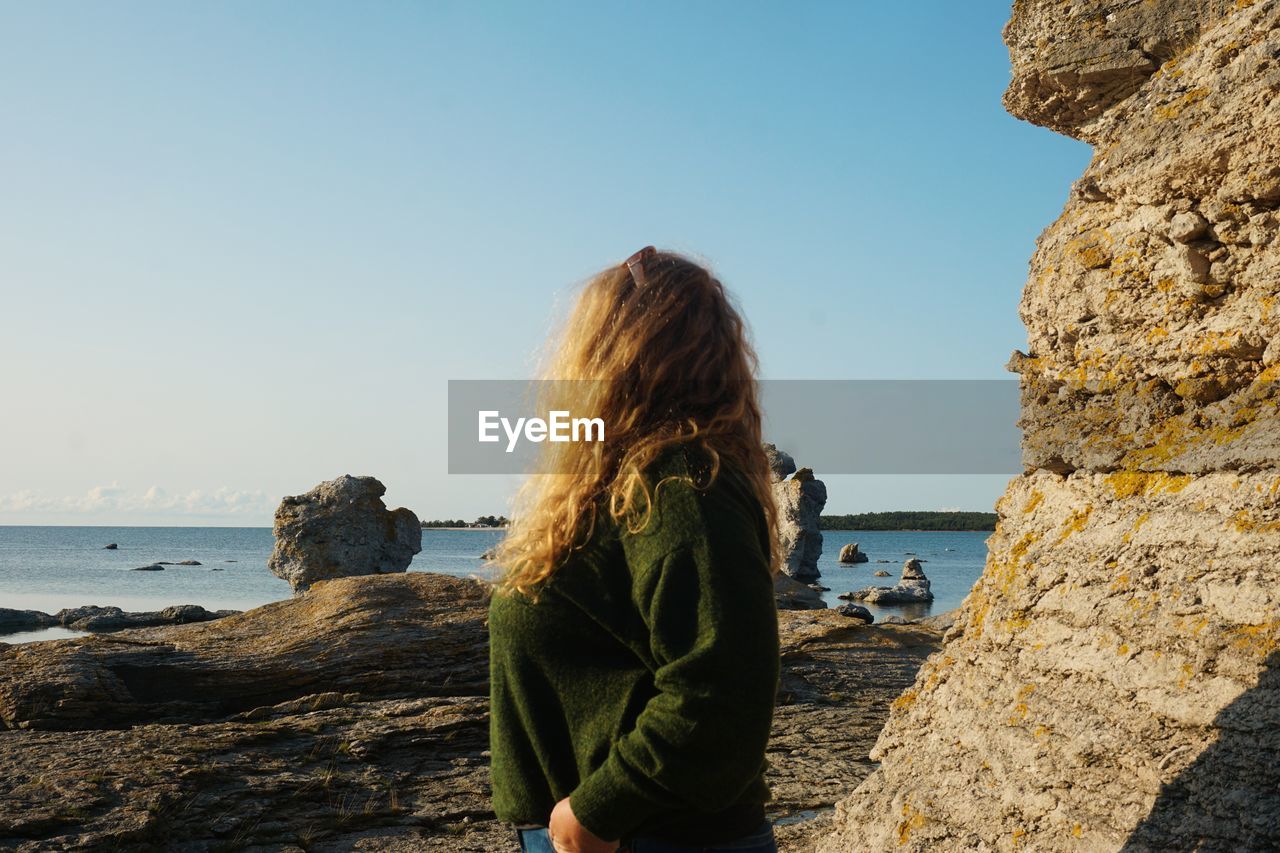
(354, 716)
(95, 619)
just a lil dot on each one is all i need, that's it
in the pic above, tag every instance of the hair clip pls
(635, 264)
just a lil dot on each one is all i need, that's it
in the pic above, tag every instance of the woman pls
(634, 635)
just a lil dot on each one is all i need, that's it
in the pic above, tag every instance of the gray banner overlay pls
(854, 426)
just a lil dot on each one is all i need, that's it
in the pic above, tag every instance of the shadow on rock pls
(1228, 799)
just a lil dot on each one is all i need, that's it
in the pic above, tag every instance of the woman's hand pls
(569, 836)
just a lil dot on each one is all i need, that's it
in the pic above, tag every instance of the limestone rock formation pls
(800, 501)
(780, 462)
(342, 528)
(1073, 61)
(1110, 683)
(912, 588)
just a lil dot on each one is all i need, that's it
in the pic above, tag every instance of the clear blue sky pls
(243, 246)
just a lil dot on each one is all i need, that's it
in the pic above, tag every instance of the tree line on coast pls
(910, 520)
(481, 522)
(900, 520)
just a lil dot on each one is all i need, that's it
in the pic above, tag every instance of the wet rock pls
(856, 611)
(341, 528)
(14, 621)
(94, 619)
(109, 619)
(152, 567)
(70, 615)
(182, 614)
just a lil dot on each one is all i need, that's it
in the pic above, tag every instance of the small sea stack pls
(800, 500)
(339, 529)
(912, 588)
(852, 554)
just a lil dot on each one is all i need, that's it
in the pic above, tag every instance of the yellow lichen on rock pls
(1133, 575)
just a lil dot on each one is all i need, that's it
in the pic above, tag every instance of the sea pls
(50, 568)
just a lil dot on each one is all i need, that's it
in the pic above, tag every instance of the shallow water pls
(40, 635)
(49, 568)
(951, 560)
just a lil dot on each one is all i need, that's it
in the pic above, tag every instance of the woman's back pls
(641, 684)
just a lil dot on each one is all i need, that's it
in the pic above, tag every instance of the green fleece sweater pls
(641, 684)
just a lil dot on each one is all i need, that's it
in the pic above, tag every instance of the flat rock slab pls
(839, 677)
(419, 634)
(354, 717)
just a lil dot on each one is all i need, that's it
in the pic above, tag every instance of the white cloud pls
(115, 498)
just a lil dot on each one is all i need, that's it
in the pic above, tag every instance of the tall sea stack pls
(1111, 682)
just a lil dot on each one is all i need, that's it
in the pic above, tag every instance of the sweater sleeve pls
(700, 740)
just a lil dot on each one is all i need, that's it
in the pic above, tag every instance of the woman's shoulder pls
(687, 474)
(692, 498)
(677, 463)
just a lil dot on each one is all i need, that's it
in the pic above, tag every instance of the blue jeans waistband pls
(761, 840)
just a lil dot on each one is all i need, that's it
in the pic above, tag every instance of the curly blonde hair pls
(663, 358)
